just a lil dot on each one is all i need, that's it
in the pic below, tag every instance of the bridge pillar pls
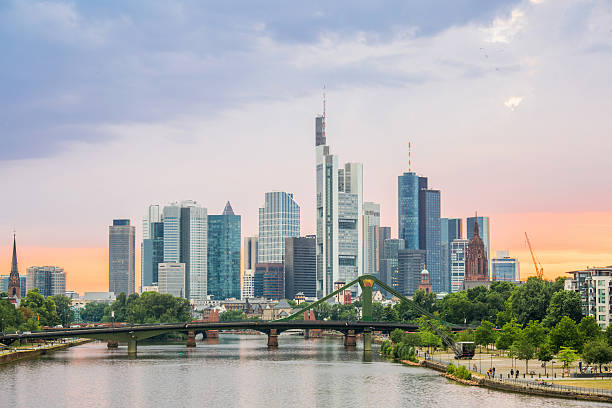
(273, 339)
(191, 339)
(212, 334)
(350, 340)
(112, 344)
(367, 340)
(306, 334)
(132, 347)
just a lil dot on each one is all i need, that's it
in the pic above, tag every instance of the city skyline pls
(489, 65)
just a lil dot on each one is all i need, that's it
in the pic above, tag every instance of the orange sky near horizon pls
(562, 241)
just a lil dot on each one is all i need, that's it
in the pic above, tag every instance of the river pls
(239, 371)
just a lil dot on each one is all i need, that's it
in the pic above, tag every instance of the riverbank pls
(12, 355)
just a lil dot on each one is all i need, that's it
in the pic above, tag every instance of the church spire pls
(476, 232)
(14, 286)
(14, 264)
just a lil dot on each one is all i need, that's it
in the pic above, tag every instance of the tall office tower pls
(271, 276)
(389, 263)
(300, 266)
(153, 214)
(371, 221)
(430, 235)
(152, 254)
(408, 188)
(279, 218)
(171, 278)
(450, 230)
(258, 281)
(185, 241)
(248, 284)
(458, 252)
(121, 261)
(14, 285)
(476, 262)
(483, 229)
(224, 254)
(50, 280)
(505, 268)
(382, 234)
(410, 263)
(339, 209)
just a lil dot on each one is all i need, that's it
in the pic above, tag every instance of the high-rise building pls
(458, 252)
(371, 221)
(408, 187)
(505, 268)
(430, 235)
(450, 231)
(50, 280)
(152, 254)
(14, 284)
(339, 210)
(154, 214)
(248, 284)
(272, 276)
(300, 266)
(484, 231)
(171, 278)
(4, 284)
(476, 262)
(121, 257)
(389, 273)
(224, 254)
(410, 264)
(595, 288)
(382, 234)
(279, 218)
(186, 241)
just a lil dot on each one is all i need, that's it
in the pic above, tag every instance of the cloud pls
(504, 30)
(513, 102)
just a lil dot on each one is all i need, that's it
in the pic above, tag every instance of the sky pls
(107, 107)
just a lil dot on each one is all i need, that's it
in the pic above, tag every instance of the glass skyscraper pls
(224, 254)
(152, 254)
(300, 266)
(121, 261)
(279, 218)
(430, 235)
(50, 280)
(451, 229)
(408, 208)
(505, 268)
(371, 221)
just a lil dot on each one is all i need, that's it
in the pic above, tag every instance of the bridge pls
(131, 334)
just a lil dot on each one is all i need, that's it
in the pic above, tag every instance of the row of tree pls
(34, 312)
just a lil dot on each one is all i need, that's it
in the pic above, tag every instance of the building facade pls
(186, 241)
(389, 272)
(300, 266)
(505, 268)
(49, 280)
(371, 222)
(410, 264)
(382, 234)
(430, 236)
(4, 284)
(408, 186)
(172, 279)
(458, 253)
(272, 276)
(476, 262)
(484, 230)
(595, 288)
(451, 229)
(279, 218)
(152, 254)
(248, 284)
(121, 257)
(224, 254)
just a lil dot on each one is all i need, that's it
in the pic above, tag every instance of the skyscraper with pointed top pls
(224, 254)
(14, 287)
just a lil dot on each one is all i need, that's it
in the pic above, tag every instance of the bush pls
(450, 369)
(386, 347)
(463, 373)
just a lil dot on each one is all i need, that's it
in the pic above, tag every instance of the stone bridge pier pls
(350, 339)
(191, 339)
(273, 339)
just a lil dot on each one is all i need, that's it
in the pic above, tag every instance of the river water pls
(239, 371)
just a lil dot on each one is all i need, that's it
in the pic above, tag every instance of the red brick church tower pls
(476, 262)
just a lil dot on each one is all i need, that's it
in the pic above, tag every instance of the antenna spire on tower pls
(409, 157)
(323, 100)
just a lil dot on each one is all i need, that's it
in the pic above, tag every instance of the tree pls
(465, 335)
(63, 306)
(150, 307)
(567, 355)
(44, 309)
(608, 335)
(508, 335)
(530, 300)
(10, 317)
(565, 334)
(597, 352)
(484, 334)
(456, 308)
(536, 333)
(523, 349)
(563, 303)
(389, 314)
(231, 315)
(545, 354)
(397, 335)
(93, 312)
(425, 300)
(589, 329)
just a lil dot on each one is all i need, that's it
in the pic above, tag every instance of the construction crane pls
(538, 266)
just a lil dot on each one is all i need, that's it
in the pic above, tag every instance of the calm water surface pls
(239, 371)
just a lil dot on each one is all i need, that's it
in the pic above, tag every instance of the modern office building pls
(50, 280)
(248, 284)
(154, 214)
(410, 264)
(458, 252)
(186, 241)
(272, 277)
(339, 214)
(389, 273)
(172, 278)
(152, 254)
(121, 257)
(4, 284)
(279, 218)
(408, 187)
(595, 288)
(371, 221)
(476, 263)
(382, 234)
(450, 230)
(300, 266)
(505, 268)
(224, 254)
(430, 236)
(484, 231)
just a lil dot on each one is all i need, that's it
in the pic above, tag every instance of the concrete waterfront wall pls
(24, 354)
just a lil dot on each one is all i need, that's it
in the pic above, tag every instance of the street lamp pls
(113, 317)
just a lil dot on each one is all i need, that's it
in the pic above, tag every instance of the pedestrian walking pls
(512, 372)
(516, 373)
